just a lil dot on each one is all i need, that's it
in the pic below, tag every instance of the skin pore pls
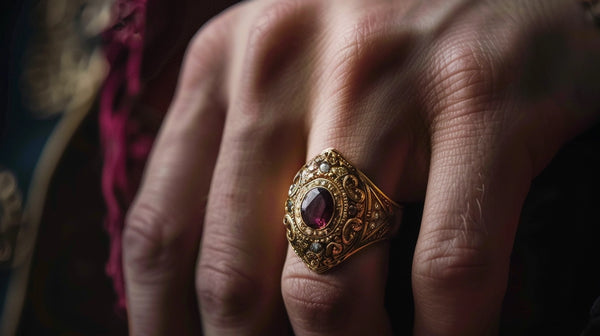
(454, 103)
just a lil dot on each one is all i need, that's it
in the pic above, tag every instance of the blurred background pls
(84, 85)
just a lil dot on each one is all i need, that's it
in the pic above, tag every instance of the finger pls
(349, 299)
(164, 224)
(243, 244)
(462, 255)
(484, 156)
(479, 174)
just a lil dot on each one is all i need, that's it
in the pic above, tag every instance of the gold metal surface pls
(361, 215)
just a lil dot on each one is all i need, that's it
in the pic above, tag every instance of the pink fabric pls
(125, 148)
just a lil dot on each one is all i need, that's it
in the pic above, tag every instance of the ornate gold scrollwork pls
(359, 216)
(351, 230)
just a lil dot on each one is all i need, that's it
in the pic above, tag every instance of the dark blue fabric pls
(22, 137)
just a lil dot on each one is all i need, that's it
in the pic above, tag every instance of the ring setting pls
(333, 210)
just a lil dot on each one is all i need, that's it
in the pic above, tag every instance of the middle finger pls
(243, 245)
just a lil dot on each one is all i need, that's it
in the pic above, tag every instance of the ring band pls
(333, 211)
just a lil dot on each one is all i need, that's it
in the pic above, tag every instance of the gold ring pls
(333, 210)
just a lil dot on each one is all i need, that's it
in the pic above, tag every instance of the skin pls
(455, 103)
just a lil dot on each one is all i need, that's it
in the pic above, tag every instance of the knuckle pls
(208, 42)
(270, 23)
(369, 30)
(313, 303)
(355, 40)
(200, 53)
(462, 77)
(369, 49)
(279, 41)
(145, 246)
(453, 257)
(141, 236)
(203, 59)
(225, 293)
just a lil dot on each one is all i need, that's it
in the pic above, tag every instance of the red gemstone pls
(317, 208)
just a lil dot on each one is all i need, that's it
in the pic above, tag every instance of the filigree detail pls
(334, 249)
(351, 230)
(313, 259)
(350, 183)
(361, 212)
(294, 186)
(288, 222)
(339, 171)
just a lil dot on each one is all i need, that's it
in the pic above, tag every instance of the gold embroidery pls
(10, 214)
(65, 64)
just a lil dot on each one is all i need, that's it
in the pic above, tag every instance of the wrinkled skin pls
(459, 103)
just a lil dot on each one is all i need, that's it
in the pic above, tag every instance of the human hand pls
(460, 103)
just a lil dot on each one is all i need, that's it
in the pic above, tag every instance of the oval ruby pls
(317, 208)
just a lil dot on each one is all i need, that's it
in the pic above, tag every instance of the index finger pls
(163, 227)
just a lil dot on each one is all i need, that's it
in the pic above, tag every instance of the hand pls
(460, 103)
